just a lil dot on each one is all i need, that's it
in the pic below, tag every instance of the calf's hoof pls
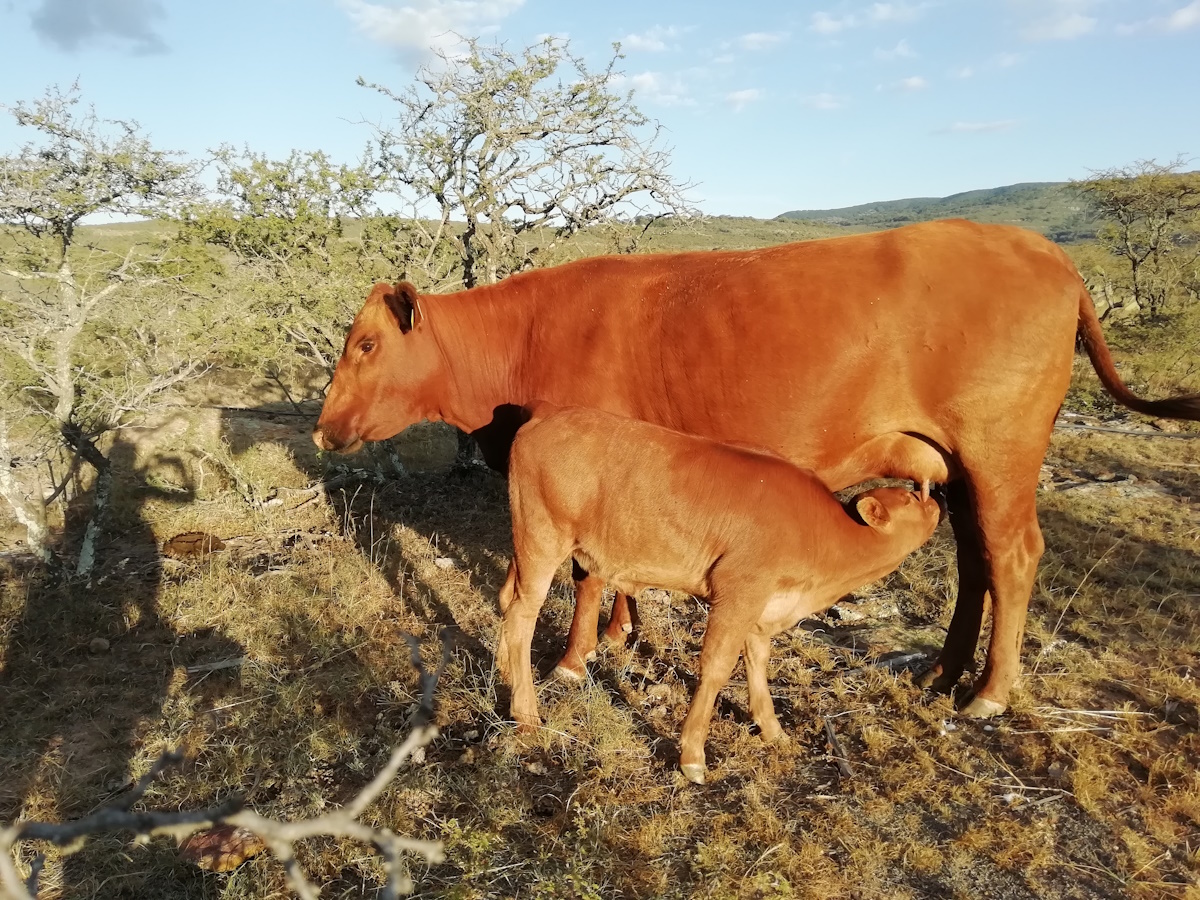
(934, 679)
(693, 772)
(772, 733)
(527, 724)
(983, 708)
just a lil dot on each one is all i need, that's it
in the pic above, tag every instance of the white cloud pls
(1055, 20)
(912, 83)
(824, 101)
(824, 23)
(964, 72)
(978, 127)
(739, 100)
(417, 28)
(1185, 17)
(761, 40)
(1007, 60)
(655, 87)
(878, 13)
(724, 59)
(902, 50)
(651, 40)
(1182, 19)
(875, 14)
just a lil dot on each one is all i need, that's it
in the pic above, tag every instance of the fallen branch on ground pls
(839, 755)
(1188, 436)
(278, 836)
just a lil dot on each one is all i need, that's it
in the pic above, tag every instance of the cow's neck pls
(479, 332)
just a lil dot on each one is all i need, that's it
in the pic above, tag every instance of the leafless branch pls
(279, 836)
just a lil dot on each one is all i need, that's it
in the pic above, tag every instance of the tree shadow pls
(86, 668)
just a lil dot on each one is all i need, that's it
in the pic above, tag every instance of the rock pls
(98, 645)
(444, 562)
(192, 545)
(221, 849)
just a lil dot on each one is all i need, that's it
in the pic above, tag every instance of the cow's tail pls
(1092, 338)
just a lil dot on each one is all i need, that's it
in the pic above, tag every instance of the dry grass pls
(1088, 788)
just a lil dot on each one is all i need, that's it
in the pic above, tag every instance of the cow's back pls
(815, 347)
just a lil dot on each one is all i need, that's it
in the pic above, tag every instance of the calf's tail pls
(1092, 338)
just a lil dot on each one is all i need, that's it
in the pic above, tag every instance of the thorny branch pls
(280, 836)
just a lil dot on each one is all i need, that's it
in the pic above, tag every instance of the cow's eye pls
(366, 346)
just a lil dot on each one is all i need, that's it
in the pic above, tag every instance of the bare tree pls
(280, 225)
(1150, 213)
(524, 150)
(65, 354)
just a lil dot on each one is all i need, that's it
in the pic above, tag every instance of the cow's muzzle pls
(334, 443)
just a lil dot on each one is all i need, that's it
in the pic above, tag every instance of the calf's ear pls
(874, 513)
(405, 305)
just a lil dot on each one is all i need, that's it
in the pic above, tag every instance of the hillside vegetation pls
(1050, 207)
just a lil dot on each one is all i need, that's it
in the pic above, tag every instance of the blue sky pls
(769, 106)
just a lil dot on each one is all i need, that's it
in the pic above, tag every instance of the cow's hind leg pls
(1003, 499)
(963, 636)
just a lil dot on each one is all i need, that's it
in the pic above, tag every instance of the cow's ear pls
(405, 305)
(874, 513)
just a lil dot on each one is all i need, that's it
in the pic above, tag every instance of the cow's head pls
(389, 367)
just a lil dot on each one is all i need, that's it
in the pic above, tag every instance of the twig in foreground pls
(839, 755)
(279, 836)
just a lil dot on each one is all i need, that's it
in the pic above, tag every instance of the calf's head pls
(903, 519)
(387, 375)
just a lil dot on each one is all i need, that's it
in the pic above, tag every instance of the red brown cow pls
(643, 506)
(958, 334)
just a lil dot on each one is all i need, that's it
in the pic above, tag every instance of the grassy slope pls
(1048, 207)
(1058, 799)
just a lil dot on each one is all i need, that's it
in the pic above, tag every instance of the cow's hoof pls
(617, 638)
(566, 673)
(983, 708)
(934, 679)
(693, 772)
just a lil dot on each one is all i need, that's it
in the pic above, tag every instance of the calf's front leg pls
(757, 654)
(723, 640)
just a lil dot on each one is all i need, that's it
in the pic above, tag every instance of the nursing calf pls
(643, 506)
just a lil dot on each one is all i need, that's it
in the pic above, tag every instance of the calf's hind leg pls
(521, 598)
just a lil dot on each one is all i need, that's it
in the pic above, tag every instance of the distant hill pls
(1046, 206)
